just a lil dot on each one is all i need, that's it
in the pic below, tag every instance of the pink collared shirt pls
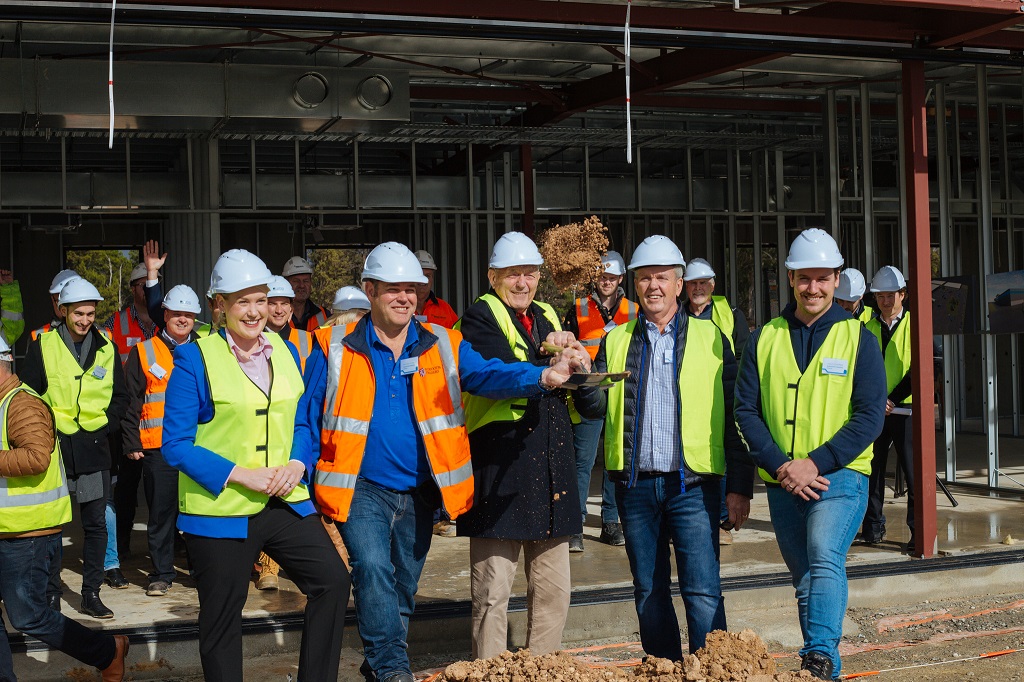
(256, 365)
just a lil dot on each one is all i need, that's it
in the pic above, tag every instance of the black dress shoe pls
(53, 601)
(115, 578)
(92, 606)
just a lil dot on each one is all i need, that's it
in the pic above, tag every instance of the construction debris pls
(573, 252)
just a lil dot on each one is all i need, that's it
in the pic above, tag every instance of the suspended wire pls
(629, 118)
(110, 76)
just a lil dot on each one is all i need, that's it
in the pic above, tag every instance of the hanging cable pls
(110, 75)
(629, 118)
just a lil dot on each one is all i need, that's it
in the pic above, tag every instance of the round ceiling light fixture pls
(310, 90)
(374, 92)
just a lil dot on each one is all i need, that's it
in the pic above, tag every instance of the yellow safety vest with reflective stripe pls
(248, 428)
(78, 397)
(804, 410)
(157, 363)
(701, 426)
(866, 314)
(721, 315)
(897, 354)
(483, 411)
(34, 502)
(348, 408)
(12, 312)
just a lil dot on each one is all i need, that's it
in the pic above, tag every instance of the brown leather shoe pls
(115, 671)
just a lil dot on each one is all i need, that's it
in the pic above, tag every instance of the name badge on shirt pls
(99, 372)
(409, 366)
(157, 371)
(610, 326)
(420, 318)
(836, 367)
(133, 340)
(668, 358)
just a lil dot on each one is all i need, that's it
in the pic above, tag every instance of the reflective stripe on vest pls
(303, 342)
(897, 354)
(483, 411)
(32, 502)
(36, 333)
(348, 406)
(78, 397)
(154, 353)
(248, 428)
(721, 315)
(591, 324)
(701, 427)
(804, 410)
(126, 329)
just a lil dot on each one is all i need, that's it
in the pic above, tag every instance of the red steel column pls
(915, 148)
(526, 174)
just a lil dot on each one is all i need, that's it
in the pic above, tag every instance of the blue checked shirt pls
(658, 449)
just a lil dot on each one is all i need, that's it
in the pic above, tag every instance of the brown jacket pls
(30, 432)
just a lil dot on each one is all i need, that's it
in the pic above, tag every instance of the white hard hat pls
(140, 271)
(514, 248)
(698, 268)
(888, 278)
(280, 288)
(182, 298)
(78, 290)
(297, 265)
(5, 350)
(814, 248)
(236, 270)
(349, 298)
(62, 278)
(393, 262)
(426, 260)
(656, 250)
(614, 264)
(851, 285)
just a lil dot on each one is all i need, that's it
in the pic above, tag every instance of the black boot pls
(92, 606)
(818, 664)
(53, 601)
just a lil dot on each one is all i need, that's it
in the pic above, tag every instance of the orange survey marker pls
(872, 673)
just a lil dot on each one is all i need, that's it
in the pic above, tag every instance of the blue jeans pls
(814, 537)
(655, 512)
(387, 534)
(110, 558)
(586, 436)
(24, 572)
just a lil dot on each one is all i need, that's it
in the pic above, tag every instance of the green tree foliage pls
(333, 269)
(108, 270)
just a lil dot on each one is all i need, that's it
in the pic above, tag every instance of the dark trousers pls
(92, 515)
(126, 499)
(160, 486)
(899, 432)
(305, 551)
(24, 572)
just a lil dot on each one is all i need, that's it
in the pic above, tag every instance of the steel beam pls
(949, 369)
(915, 169)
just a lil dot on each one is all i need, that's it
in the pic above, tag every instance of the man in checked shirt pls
(669, 440)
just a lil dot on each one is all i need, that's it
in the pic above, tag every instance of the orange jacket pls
(592, 325)
(125, 332)
(348, 404)
(157, 363)
(303, 342)
(437, 311)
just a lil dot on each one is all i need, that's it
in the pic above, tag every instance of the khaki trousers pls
(493, 564)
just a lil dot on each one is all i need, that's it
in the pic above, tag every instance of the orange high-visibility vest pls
(157, 363)
(41, 330)
(303, 341)
(313, 323)
(348, 405)
(126, 333)
(592, 325)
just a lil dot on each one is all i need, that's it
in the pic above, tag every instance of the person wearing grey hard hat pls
(669, 440)
(850, 294)
(810, 400)
(401, 383)
(147, 370)
(429, 307)
(890, 327)
(306, 315)
(88, 416)
(590, 319)
(699, 289)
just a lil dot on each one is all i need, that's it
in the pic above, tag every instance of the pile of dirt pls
(573, 252)
(726, 657)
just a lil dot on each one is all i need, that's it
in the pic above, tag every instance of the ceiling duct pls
(201, 97)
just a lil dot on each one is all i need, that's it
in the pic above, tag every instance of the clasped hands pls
(274, 481)
(800, 477)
